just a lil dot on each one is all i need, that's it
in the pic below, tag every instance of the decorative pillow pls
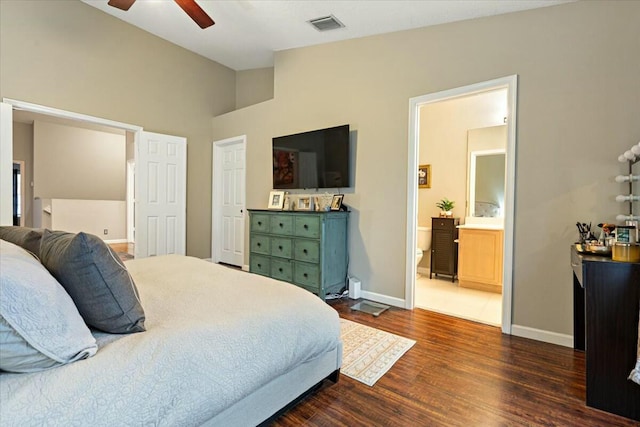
(40, 327)
(27, 238)
(96, 279)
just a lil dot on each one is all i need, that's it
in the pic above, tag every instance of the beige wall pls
(77, 163)
(71, 56)
(253, 86)
(23, 150)
(578, 104)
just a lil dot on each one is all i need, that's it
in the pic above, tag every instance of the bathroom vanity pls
(480, 257)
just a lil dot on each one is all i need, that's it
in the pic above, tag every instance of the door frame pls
(131, 176)
(511, 84)
(216, 196)
(64, 114)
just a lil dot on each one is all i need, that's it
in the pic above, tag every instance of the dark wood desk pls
(606, 300)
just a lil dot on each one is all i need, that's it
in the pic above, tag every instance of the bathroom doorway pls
(446, 176)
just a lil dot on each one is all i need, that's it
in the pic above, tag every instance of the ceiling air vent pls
(326, 23)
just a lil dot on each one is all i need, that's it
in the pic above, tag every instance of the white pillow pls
(40, 327)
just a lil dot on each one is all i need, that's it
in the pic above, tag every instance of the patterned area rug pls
(368, 353)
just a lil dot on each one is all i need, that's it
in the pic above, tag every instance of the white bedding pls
(213, 336)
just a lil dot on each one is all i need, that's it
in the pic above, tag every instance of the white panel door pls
(160, 195)
(229, 199)
(6, 164)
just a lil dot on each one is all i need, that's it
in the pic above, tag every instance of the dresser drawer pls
(281, 224)
(259, 264)
(260, 223)
(307, 274)
(281, 269)
(307, 226)
(444, 223)
(307, 250)
(281, 247)
(260, 244)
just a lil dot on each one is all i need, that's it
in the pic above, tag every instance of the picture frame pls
(336, 202)
(276, 200)
(304, 203)
(424, 176)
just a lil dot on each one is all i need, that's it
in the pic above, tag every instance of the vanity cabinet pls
(308, 249)
(606, 301)
(444, 247)
(480, 259)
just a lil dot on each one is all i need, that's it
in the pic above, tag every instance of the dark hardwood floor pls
(459, 373)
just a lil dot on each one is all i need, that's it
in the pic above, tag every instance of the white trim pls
(130, 200)
(35, 108)
(6, 164)
(115, 241)
(216, 197)
(384, 299)
(511, 83)
(542, 335)
(245, 267)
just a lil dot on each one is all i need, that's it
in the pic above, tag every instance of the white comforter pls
(213, 336)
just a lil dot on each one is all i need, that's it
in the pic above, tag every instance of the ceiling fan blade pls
(121, 4)
(196, 13)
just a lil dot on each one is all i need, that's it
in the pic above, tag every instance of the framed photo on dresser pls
(276, 200)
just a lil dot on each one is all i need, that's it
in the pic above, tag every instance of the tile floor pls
(442, 296)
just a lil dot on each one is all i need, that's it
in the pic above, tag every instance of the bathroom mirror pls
(486, 183)
(486, 174)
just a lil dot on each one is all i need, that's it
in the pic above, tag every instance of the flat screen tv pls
(314, 159)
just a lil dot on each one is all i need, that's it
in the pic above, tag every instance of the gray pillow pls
(40, 327)
(96, 279)
(27, 238)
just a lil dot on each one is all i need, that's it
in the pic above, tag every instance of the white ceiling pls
(247, 32)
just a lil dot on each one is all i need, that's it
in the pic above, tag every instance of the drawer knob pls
(304, 251)
(280, 269)
(259, 244)
(280, 247)
(259, 265)
(305, 275)
(281, 225)
(306, 226)
(259, 222)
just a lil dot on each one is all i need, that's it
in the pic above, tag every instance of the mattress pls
(214, 336)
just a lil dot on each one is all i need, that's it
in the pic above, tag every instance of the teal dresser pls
(308, 249)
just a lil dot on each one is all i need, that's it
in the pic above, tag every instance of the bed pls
(221, 347)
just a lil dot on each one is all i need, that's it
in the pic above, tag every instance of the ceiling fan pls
(189, 6)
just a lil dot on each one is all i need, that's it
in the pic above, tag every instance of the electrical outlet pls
(106, 231)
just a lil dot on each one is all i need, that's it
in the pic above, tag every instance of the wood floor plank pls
(459, 373)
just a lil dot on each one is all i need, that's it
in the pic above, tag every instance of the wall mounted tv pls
(314, 159)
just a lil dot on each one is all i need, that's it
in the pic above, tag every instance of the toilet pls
(424, 243)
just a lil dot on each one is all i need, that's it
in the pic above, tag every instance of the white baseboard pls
(384, 299)
(541, 335)
(110, 242)
(245, 267)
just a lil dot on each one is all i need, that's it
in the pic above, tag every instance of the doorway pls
(172, 237)
(18, 193)
(510, 84)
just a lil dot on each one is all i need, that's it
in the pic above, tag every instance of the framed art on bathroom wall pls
(424, 176)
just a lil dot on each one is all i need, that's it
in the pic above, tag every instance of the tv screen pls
(315, 159)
